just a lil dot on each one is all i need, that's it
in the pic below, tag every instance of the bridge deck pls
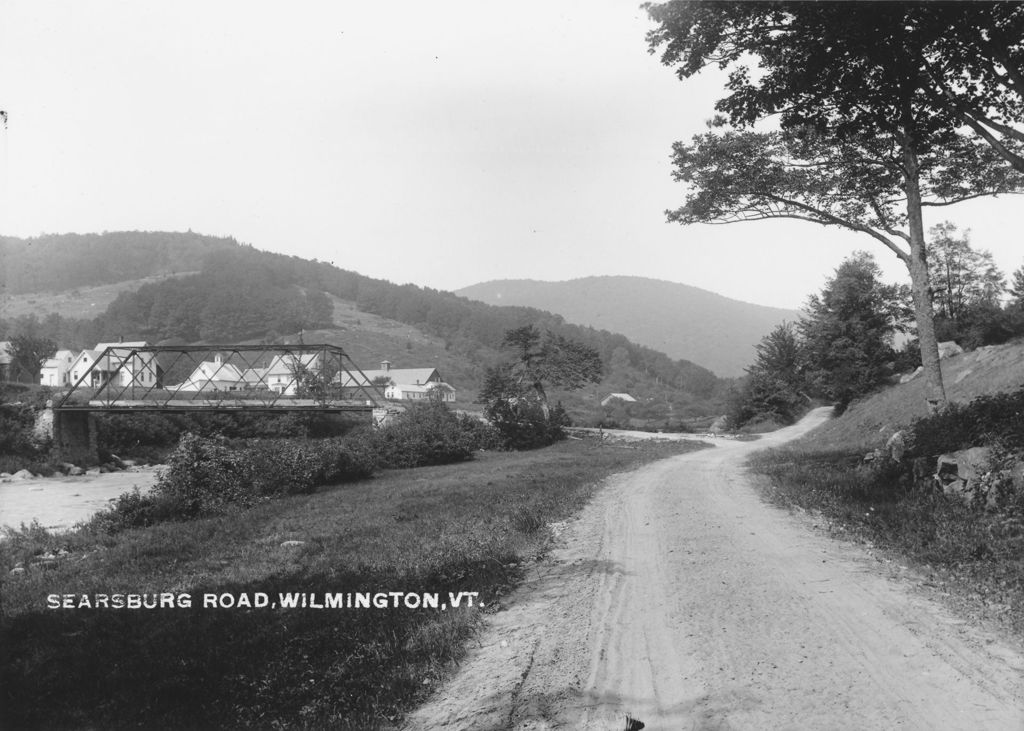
(228, 405)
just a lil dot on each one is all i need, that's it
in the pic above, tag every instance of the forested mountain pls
(240, 293)
(682, 321)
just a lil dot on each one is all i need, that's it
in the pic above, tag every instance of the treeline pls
(241, 293)
(63, 262)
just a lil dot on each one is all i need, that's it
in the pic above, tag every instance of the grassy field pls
(77, 303)
(470, 527)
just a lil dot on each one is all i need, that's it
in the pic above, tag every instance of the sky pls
(443, 143)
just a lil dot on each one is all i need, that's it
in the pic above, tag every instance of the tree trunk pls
(935, 392)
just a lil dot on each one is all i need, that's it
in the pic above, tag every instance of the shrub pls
(523, 425)
(16, 424)
(428, 434)
(994, 419)
(146, 435)
(206, 476)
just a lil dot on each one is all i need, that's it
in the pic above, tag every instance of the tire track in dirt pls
(680, 598)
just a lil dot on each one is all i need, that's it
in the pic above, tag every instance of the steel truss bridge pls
(220, 378)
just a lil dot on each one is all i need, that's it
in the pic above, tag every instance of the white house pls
(56, 371)
(410, 392)
(618, 397)
(283, 374)
(215, 375)
(120, 366)
(403, 384)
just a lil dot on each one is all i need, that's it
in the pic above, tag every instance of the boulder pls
(959, 473)
(719, 425)
(897, 445)
(93, 471)
(949, 348)
(22, 475)
(76, 471)
(42, 430)
(907, 377)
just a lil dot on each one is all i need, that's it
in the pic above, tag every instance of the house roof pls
(254, 375)
(215, 371)
(422, 389)
(410, 376)
(132, 344)
(92, 355)
(286, 364)
(58, 357)
(620, 396)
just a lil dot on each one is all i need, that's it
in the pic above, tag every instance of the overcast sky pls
(441, 143)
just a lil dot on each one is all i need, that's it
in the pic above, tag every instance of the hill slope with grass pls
(677, 319)
(989, 370)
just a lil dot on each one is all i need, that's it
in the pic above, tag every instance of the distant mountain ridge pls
(680, 320)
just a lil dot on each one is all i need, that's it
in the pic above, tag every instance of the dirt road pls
(681, 599)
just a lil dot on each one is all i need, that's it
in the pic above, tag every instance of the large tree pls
(514, 393)
(28, 353)
(847, 335)
(865, 142)
(775, 388)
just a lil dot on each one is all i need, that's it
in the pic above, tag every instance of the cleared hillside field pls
(81, 302)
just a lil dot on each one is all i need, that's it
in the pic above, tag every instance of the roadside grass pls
(464, 527)
(975, 556)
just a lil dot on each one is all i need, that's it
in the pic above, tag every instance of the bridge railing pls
(222, 377)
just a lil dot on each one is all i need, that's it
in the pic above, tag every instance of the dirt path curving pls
(681, 599)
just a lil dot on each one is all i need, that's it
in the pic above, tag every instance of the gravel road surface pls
(680, 598)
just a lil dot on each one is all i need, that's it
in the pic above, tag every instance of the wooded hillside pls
(241, 293)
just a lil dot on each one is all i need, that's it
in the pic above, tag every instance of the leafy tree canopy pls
(921, 69)
(28, 352)
(868, 136)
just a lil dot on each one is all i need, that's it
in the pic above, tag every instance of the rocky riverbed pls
(59, 502)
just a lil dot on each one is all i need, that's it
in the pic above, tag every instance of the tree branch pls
(960, 199)
(886, 226)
